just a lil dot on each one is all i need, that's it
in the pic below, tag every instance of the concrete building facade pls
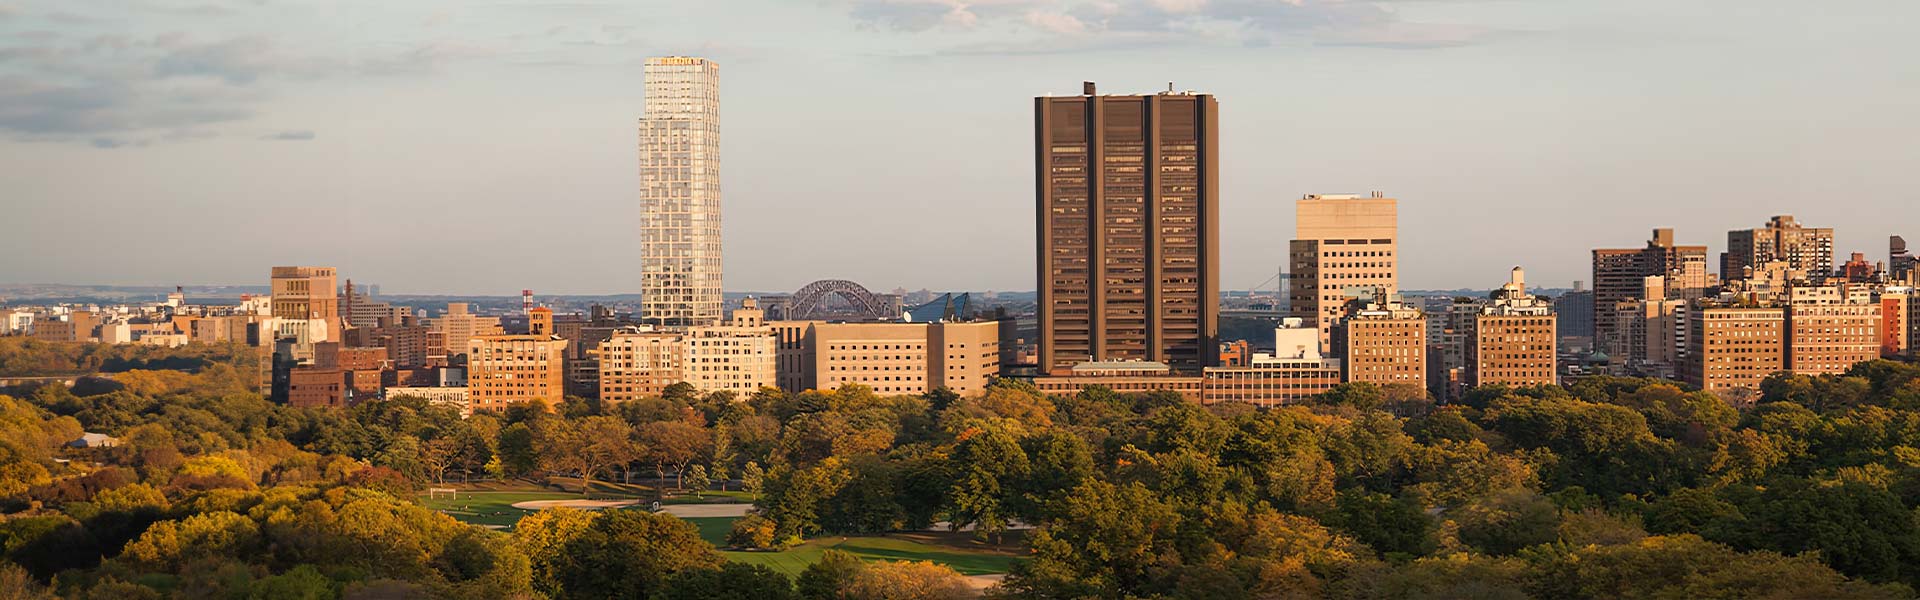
(1830, 328)
(1344, 247)
(505, 369)
(1733, 346)
(891, 358)
(1128, 214)
(1515, 340)
(1383, 342)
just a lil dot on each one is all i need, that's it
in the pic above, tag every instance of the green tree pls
(630, 554)
(752, 531)
(1686, 566)
(753, 479)
(988, 460)
(824, 579)
(697, 481)
(1389, 525)
(730, 581)
(544, 537)
(1507, 522)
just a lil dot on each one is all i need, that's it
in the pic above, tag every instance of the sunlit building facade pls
(680, 193)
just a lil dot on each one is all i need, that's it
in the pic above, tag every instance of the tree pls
(752, 531)
(989, 461)
(891, 580)
(1110, 541)
(824, 579)
(697, 480)
(170, 544)
(518, 452)
(1686, 566)
(753, 479)
(730, 581)
(544, 537)
(1860, 529)
(674, 443)
(1507, 521)
(1389, 525)
(630, 554)
(437, 456)
(586, 446)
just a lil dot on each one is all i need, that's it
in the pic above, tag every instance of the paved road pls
(707, 510)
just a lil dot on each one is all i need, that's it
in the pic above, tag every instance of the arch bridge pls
(809, 302)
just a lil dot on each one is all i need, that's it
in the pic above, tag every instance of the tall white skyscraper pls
(680, 193)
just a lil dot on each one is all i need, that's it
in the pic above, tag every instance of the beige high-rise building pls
(459, 326)
(305, 307)
(737, 357)
(1807, 249)
(1732, 346)
(1344, 247)
(891, 358)
(680, 193)
(505, 369)
(1383, 342)
(1830, 328)
(1515, 340)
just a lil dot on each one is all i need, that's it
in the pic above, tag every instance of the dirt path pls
(688, 511)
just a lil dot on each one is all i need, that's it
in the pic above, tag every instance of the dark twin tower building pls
(1128, 214)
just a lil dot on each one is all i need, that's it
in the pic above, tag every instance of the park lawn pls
(713, 529)
(951, 551)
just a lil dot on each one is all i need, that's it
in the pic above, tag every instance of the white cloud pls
(1339, 22)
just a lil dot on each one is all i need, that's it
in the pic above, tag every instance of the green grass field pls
(968, 561)
(957, 550)
(490, 508)
(494, 507)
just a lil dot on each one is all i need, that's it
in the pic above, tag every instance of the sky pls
(483, 147)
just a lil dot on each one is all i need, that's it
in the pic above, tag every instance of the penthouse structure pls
(1344, 247)
(1128, 208)
(1295, 372)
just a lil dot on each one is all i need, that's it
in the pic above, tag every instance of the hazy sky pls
(483, 147)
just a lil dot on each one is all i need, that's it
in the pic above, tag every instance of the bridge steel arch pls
(808, 300)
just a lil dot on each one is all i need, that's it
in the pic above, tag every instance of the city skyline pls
(1536, 114)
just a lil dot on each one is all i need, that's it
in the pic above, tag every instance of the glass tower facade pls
(680, 193)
